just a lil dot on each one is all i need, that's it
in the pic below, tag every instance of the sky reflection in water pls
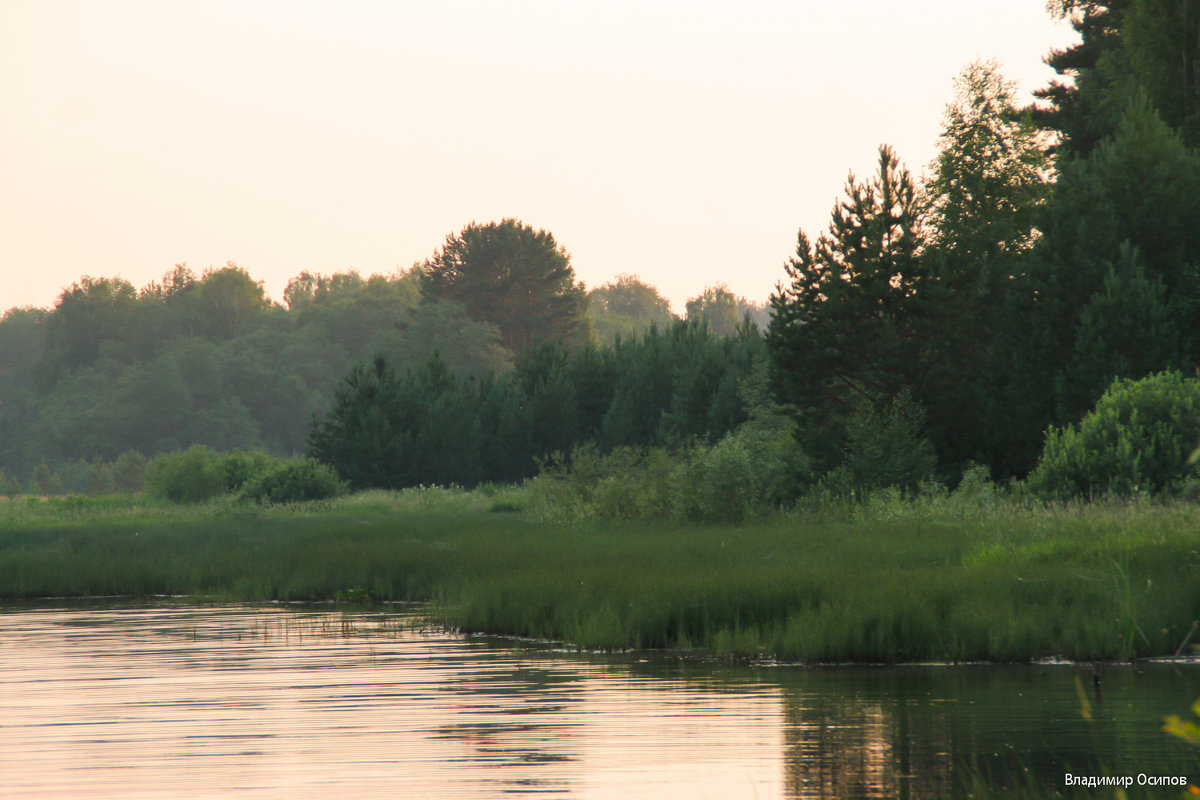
(253, 702)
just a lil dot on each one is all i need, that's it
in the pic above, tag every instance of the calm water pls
(253, 702)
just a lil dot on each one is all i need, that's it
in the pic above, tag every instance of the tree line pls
(116, 374)
(664, 387)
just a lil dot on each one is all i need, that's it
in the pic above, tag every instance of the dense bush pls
(295, 482)
(734, 479)
(628, 483)
(885, 448)
(1138, 438)
(189, 476)
(740, 476)
(198, 473)
(9, 485)
(129, 471)
(242, 467)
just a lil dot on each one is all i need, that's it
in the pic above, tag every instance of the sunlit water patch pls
(263, 703)
(254, 702)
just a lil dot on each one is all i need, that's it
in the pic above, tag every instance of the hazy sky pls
(682, 141)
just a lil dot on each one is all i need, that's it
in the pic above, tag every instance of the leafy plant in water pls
(355, 596)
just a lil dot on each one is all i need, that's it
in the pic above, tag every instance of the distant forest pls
(208, 359)
(936, 325)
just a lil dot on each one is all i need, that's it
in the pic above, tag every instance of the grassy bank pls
(883, 582)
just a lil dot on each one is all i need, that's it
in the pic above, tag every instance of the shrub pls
(189, 476)
(72, 477)
(635, 483)
(628, 483)
(295, 482)
(241, 467)
(9, 486)
(129, 471)
(885, 448)
(738, 477)
(1138, 438)
(44, 480)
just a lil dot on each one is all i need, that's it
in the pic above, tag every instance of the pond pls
(153, 702)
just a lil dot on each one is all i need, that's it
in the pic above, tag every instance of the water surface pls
(275, 702)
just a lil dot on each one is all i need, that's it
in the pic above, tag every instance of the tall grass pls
(886, 580)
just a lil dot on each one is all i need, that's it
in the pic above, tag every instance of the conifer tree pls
(989, 181)
(513, 276)
(847, 326)
(1124, 216)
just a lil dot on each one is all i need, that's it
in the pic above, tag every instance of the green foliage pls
(431, 426)
(1078, 108)
(387, 431)
(627, 483)
(1187, 730)
(44, 481)
(101, 478)
(129, 471)
(243, 468)
(89, 313)
(1130, 327)
(513, 276)
(725, 313)
(676, 385)
(744, 475)
(22, 341)
(1127, 48)
(1113, 280)
(225, 299)
(717, 307)
(359, 436)
(846, 326)
(553, 408)
(1140, 185)
(885, 448)
(1161, 39)
(739, 477)
(189, 476)
(928, 586)
(296, 481)
(206, 359)
(625, 307)
(989, 177)
(9, 485)
(1138, 438)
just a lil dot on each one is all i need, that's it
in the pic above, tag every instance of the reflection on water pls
(252, 702)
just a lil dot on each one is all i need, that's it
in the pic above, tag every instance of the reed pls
(890, 582)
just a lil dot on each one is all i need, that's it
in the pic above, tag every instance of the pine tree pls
(847, 326)
(364, 435)
(513, 276)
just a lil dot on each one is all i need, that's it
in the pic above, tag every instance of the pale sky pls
(682, 141)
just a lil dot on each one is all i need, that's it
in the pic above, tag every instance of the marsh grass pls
(888, 580)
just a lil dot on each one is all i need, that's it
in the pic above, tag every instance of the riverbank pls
(894, 583)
